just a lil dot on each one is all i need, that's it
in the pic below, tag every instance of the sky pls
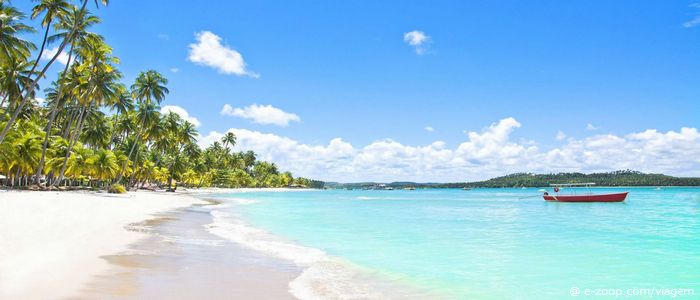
(428, 91)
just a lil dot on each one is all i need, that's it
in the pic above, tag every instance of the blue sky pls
(346, 70)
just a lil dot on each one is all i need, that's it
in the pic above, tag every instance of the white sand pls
(51, 242)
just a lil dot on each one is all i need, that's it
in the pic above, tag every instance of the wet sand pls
(180, 259)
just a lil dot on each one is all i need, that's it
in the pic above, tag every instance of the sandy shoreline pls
(181, 259)
(52, 242)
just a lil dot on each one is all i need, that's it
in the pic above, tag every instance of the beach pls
(52, 242)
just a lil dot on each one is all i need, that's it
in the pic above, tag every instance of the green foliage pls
(72, 141)
(616, 178)
(116, 189)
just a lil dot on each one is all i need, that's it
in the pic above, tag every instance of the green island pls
(517, 180)
(95, 131)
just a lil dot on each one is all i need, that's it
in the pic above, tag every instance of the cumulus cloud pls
(591, 127)
(429, 129)
(209, 51)
(560, 135)
(49, 54)
(181, 112)
(418, 40)
(261, 114)
(486, 153)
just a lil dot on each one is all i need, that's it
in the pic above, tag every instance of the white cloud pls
(49, 54)
(209, 51)
(429, 129)
(181, 112)
(418, 39)
(695, 21)
(40, 101)
(591, 127)
(561, 135)
(174, 70)
(487, 153)
(261, 114)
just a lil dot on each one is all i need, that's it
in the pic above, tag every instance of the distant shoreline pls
(622, 178)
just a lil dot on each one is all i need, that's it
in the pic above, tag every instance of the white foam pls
(324, 277)
(204, 242)
(227, 200)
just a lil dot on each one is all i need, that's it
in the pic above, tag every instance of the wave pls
(228, 200)
(204, 242)
(324, 276)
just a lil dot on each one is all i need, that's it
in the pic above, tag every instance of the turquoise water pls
(490, 244)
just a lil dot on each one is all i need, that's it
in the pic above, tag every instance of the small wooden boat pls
(587, 197)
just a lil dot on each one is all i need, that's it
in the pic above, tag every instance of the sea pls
(471, 244)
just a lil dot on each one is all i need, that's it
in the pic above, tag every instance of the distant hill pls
(616, 178)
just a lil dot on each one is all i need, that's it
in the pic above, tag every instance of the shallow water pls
(483, 243)
(180, 259)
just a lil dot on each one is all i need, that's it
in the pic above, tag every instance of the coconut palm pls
(52, 10)
(97, 132)
(11, 30)
(98, 85)
(229, 139)
(79, 140)
(15, 75)
(27, 147)
(103, 165)
(77, 164)
(148, 88)
(80, 14)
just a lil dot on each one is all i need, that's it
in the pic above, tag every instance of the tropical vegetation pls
(93, 129)
(517, 180)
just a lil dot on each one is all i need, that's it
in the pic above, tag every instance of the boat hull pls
(617, 197)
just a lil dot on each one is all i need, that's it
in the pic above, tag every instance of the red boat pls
(587, 197)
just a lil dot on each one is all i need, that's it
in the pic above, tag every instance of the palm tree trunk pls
(52, 116)
(136, 141)
(72, 141)
(69, 122)
(133, 173)
(31, 87)
(19, 184)
(43, 44)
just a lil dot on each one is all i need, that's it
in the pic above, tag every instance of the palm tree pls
(74, 26)
(27, 148)
(52, 10)
(81, 13)
(97, 133)
(122, 105)
(98, 85)
(15, 75)
(149, 87)
(77, 164)
(11, 29)
(103, 165)
(152, 129)
(185, 137)
(229, 139)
